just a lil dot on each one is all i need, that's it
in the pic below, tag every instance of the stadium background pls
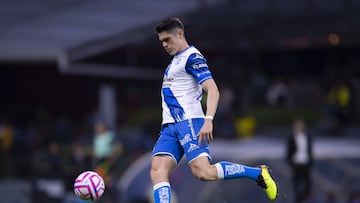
(65, 64)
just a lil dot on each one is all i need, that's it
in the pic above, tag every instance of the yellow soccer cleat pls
(267, 183)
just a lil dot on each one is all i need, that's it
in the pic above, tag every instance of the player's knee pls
(155, 173)
(159, 174)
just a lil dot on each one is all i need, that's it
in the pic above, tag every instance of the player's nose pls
(164, 44)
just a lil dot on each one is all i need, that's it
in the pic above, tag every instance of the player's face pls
(171, 41)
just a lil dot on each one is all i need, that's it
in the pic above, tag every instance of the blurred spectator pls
(309, 198)
(6, 137)
(300, 157)
(49, 186)
(258, 82)
(277, 93)
(78, 162)
(107, 150)
(227, 99)
(330, 197)
(354, 197)
(245, 126)
(338, 101)
(225, 115)
(226, 128)
(6, 143)
(62, 129)
(296, 98)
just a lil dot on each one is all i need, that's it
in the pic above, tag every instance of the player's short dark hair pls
(169, 24)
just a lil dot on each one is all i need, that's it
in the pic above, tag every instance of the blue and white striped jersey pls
(181, 88)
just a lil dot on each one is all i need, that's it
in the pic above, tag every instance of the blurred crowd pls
(329, 105)
(51, 151)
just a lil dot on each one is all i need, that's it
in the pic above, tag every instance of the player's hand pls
(205, 134)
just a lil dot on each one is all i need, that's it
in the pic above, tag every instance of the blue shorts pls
(177, 139)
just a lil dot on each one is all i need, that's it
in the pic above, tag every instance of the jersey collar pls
(182, 51)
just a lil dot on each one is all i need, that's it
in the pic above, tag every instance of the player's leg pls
(161, 167)
(167, 152)
(198, 157)
(202, 169)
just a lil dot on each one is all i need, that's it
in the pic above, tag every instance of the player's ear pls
(180, 33)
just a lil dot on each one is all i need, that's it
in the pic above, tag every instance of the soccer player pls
(185, 129)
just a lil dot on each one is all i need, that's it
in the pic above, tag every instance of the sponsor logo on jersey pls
(193, 147)
(199, 65)
(203, 73)
(167, 81)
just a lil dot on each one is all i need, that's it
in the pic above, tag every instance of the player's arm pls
(213, 95)
(198, 68)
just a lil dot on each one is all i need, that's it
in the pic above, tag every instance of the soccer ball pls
(89, 186)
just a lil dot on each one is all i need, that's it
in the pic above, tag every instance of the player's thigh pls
(187, 132)
(168, 144)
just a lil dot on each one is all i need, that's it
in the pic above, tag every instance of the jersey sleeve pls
(196, 66)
